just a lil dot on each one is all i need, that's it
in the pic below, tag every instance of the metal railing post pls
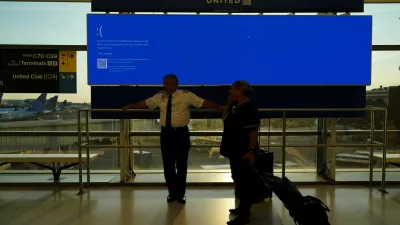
(87, 151)
(269, 131)
(383, 182)
(121, 151)
(371, 151)
(283, 143)
(81, 191)
(124, 155)
(259, 137)
(333, 141)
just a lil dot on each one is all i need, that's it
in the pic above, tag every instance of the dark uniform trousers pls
(175, 145)
(243, 180)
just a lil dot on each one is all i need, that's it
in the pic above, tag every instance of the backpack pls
(312, 212)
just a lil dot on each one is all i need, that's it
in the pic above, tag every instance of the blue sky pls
(65, 24)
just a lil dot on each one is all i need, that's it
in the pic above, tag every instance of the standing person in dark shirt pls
(239, 143)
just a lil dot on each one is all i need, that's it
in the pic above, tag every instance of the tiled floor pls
(364, 176)
(193, 178)
(206, 206)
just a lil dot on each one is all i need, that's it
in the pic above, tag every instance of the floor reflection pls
(147, 206)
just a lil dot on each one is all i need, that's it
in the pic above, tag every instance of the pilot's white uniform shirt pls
(181, 103)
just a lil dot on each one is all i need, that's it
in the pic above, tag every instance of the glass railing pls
(281, 144)
(299, 141)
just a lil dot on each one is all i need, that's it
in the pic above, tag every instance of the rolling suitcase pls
(305, 210)
(263, 162)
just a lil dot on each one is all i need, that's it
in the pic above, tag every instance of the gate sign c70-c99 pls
(37, 71)
(232, 6)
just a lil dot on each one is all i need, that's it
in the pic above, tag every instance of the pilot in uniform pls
(174, 108)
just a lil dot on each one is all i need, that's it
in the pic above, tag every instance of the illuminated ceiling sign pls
(233, 6)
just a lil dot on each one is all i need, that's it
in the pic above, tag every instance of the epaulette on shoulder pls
(185, 91)
(161, 92)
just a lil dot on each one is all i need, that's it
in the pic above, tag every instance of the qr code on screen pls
(101, 63)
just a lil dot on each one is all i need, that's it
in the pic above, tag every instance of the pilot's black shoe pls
(182, 200)
(170, 199)
(237, 211)
(240, 220)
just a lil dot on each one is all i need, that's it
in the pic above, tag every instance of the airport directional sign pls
(38, 71)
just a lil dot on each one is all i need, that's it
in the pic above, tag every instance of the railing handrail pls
(261, 110)
(84, 145)
(263, 133)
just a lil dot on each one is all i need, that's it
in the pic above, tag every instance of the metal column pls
(81, 191)
(269, 132)
(332, 164)
(284, 144)
(125, 154)
(383, 182)
(371, 150)
(322, 138)
(87, 151)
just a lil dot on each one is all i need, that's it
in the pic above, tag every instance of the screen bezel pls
(218, 85)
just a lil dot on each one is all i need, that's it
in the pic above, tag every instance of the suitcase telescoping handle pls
(262, 152)
(252, 167)
(257, 173)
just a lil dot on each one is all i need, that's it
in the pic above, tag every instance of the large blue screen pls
(217, 50)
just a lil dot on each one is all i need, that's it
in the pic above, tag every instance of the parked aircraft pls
(79, 106)
(61, 106)
(51, 104)
(36, 109)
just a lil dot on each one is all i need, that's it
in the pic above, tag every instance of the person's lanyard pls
(230, 111)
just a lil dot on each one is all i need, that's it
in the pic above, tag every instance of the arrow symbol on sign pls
(71, 76)
(71, 56)
(63, 77)
(63, 54)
